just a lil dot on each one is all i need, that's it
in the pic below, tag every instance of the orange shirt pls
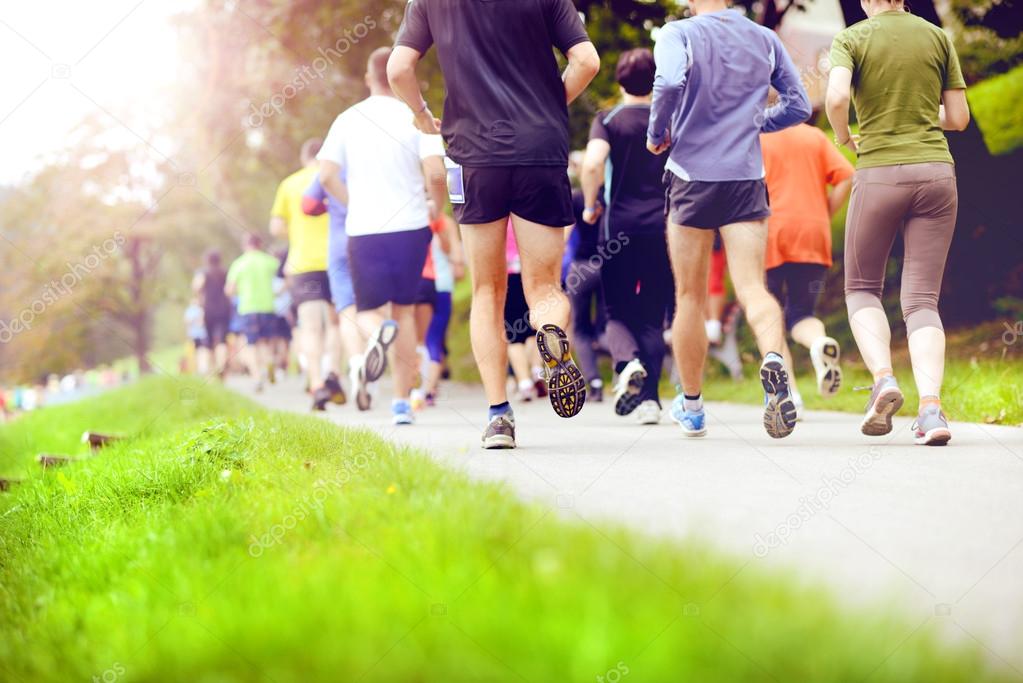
(801, 162)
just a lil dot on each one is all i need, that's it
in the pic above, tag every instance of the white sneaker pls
(714, 330)
(628, 386)
(526, 391)
(824, 354)
(357, 379)
(648, 413)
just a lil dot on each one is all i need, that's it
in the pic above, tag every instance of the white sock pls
(694, 405)
(713, 328)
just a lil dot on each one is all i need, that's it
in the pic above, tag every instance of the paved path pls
(935, 532)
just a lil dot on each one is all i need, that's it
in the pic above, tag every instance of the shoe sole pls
(566, 387)
(499, 442)
(780, 411)
(878, 420)
(939, 436)
(375, 363)
(830, 380)
(363, 400)
(630, 400)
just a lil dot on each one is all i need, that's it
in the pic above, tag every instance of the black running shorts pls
(712, 204)
(541, 194)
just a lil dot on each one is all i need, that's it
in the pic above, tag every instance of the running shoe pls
(500, 432)
(359, 385)
(320, 399)
(418, 400)
(566, 387)
(526, 391)
(824, 354)
(885, 400)
(779, 410)
(693, 422)
(375, 359)
(401, 412)
(337, 392)
(629, 386)
(931, 427)
(648, 413)
(596, 392)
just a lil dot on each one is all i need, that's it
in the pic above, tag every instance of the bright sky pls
(66, 58)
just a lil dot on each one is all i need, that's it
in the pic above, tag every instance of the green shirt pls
(900, 65)
(253, 274)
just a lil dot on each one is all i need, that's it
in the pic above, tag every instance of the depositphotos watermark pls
(818, 502)
(307, 506)
(54, 290)
(306, 74)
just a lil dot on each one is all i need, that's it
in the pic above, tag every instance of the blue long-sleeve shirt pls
(710, 92)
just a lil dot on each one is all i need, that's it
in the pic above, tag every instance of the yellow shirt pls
(307, 235)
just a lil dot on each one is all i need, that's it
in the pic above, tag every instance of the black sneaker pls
(337, 392)
(500, 432)
(566, 387)
(320, 398)
(374, 361)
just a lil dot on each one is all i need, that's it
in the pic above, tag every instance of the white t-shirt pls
(381, 151)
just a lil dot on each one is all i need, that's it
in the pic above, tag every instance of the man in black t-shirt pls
(635, 274)
(506, 126)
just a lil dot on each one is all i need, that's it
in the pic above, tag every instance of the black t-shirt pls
(635, 198)
(505, 103)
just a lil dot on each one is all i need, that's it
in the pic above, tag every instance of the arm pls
(330, 178)
(401, 73)
(793, 104)
(838, 196)
(583, 66)
(836, 104)
(954, 111)
(436, 177)
(198, 282)
(230, 283)
(671, 53)
(592, 176)
(279, 214)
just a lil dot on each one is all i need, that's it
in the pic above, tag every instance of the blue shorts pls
(259, 326)
(340, 273)
(387, 268)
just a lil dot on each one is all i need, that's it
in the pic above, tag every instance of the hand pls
(661, 148)
(592, 213)
(427, 123)
(852, 142)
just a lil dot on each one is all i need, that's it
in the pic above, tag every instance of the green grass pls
(224, 543)
(995, 103)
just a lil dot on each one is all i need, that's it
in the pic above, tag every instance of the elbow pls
(803, 109)
(397, 73)
(962, 121)
(587, 62)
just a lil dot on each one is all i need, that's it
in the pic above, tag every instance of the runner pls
(582, 284)
(636, 274)
(713, 75)
(387, 162)
(909, 87)
(318, 338)
(506, 124)
(801, 163)
(315, 202)
(195, 327)
(208, 285)
(251, 279)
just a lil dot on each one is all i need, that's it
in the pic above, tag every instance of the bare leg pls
(406, 360)
(312, 331)
(541, 249)
(352, 339)
(332, 341)
(485, 256)
(807, 331)
(745, 244)
(518, 354)
(690, 262)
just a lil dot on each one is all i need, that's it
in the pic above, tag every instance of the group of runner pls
(674, 183)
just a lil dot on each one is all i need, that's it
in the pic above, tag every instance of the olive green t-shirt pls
(900, 65)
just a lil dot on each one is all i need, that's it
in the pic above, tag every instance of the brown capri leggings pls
(919, 199)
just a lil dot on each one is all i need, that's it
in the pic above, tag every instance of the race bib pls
(456, 183)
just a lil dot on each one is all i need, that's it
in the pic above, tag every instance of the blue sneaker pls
(693, 422)
(401, 412)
